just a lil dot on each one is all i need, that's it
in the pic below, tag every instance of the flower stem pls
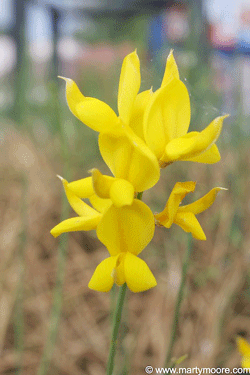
(116, 325)
(168, 361)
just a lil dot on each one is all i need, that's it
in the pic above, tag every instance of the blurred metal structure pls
(17, 33)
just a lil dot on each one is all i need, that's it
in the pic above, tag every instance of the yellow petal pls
(171, 70)
(101, 183)
(193, 144)
(103, 277)
(129, 85)
(97, 115)
(122, 193)
(180, 190)
(243, 346)
(210, 156)
(245, 363)
(137, 274)
(140, 105)
(82, 188)
(188, 222)
(73, 95)
(80, 207)
(92, 112)
(129, 158)
(77, 224)
(129, 228)
(101, 205)
(167, 116)
(213, 130)
(119, 275)
(203, 203)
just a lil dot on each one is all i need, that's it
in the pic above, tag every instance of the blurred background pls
(50, 322)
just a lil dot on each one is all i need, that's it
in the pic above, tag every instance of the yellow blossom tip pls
(171, 52)
(64, 78)
(60, 177)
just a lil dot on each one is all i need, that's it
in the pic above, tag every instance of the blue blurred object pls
(156, 35)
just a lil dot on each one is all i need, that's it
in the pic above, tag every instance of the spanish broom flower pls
(184, 216)
(125, 231)
(125, 153)
(244, 349)
(166, 123)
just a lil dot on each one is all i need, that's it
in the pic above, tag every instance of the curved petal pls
(210, 156)
(129, 228)
(137, 274)
(73, 95)
(129, 85)
(97, 115)
(122, 193)
(188, 222)
(129, 158)
(94, 113)
(101, 183)
(103, 277)
(193, 144)
(139, 107)
(171, 70)
(80, 207)
(76, 224)
(203, 203)
(167, 116)
(181, 148)
(180, 190)
(82, 188)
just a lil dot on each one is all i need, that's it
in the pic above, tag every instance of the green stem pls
(178, 303)
(116, 325)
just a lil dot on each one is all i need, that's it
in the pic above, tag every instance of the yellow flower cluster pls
(150, 133)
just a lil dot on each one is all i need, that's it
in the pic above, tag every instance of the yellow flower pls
(121, 147)
(125, 232)
(184, 216)
(166, 123)
(244, 349)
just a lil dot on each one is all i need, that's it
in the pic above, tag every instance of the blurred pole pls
(54, 80)
(55, 18)
(18, 34)
(198, 41)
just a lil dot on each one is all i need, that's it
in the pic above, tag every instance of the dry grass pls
(217, 300)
